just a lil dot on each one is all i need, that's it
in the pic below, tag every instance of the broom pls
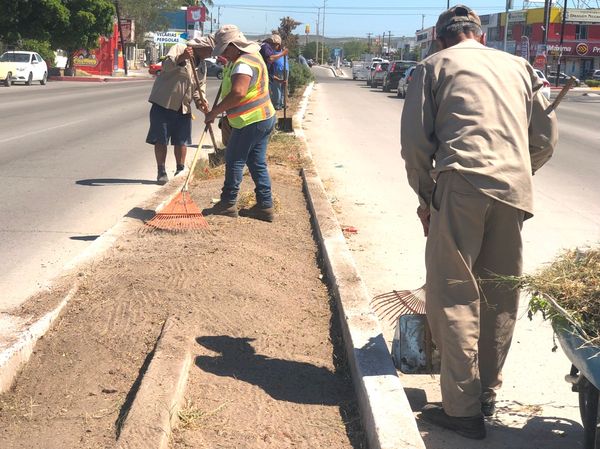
(182, 214)
(392, 305)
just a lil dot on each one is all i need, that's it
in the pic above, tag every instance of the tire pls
(590, 417)
(220, 75)
(44, 79)
(8, 80)
(29, 79)
(385, 87)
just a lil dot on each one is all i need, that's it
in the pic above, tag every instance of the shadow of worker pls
(284, 380)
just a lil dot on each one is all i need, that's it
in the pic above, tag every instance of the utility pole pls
(123, 49)
(508, 6)
(218, 17)
(422, 21)
(562, 35)
(547, 11)
(369, 42)
(389, 43)
(317, 35)
(323, 47)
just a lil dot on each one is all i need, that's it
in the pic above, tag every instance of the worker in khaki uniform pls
(474, 130)
(171, 97)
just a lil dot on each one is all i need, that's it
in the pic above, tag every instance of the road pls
(354, 133)
(73, 160)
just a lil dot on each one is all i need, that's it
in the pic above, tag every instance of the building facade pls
(580, 49)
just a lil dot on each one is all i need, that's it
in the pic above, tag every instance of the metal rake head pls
(389, 306)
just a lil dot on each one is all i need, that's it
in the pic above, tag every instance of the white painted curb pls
(386, 414)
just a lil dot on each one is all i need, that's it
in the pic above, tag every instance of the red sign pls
(196, 14)
(576, 49)
(99, 61)
(539, 62)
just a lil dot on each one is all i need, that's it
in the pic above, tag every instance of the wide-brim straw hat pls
(231, 34)
(201, 42)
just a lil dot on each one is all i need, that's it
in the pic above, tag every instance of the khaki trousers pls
(472, 237)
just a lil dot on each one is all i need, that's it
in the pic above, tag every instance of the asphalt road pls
(73, 160)
(354, 135)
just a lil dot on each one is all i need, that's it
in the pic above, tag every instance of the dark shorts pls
(166, 124)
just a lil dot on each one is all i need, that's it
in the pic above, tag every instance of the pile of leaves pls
(567, 292)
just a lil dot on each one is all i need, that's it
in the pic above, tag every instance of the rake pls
(392, 305)
(182, 214)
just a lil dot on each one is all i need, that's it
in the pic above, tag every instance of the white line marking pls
(42, 130)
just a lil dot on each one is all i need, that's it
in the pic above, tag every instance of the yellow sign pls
(307, 29)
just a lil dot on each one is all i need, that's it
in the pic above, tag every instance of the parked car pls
(405, 81)
(378, 74)
(545, 90)
(23, 67)
(596, 75)
(562, 79)
(375, 62)
(359, 70)
(393, 74)
(214, 68)
(155, 69)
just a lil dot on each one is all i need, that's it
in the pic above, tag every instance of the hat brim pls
(248, 47)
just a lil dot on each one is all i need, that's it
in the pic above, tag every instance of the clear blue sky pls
(345, 17)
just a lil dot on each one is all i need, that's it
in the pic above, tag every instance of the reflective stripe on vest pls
(256, 105)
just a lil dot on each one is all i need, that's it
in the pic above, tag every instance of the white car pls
(22, 66)
(545, 90)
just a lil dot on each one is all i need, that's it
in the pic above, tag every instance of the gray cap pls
(456, 14)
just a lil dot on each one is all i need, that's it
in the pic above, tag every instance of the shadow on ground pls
(109, 181)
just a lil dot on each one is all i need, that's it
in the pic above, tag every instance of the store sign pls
(424, 36)
(539, 62)
(517, 16)
(169, 37)
(575, 49)
(128, 29)
(583, 15)
(196, 14)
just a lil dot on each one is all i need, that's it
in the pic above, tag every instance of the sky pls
(344, 18)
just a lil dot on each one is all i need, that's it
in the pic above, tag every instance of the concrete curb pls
(384, 408)
(154, 410)
(92, 79)
(15, 356)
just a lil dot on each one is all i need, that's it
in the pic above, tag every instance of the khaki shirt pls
(479, 111)
(175, 88)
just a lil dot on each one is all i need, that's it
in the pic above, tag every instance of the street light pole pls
(323, 46)
(508, 5)
(562, 35)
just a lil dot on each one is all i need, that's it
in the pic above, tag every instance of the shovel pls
(285, 124)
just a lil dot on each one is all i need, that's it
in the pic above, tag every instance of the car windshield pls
(14, 57)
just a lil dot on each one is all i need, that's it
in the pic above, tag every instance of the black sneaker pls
(259, 213)
(162, 178)
(222, 208)
(488, 408)
(469, 427)
(179, 169)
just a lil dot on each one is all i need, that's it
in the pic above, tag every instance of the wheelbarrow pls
(584, 378)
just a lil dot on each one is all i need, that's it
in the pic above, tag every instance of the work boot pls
(162, 178)
(259, 213)
(488, 408)
(223, 208)
(179, 169)
(469, 427)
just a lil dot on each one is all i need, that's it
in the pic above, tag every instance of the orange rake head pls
(392, 305)
(181, 214)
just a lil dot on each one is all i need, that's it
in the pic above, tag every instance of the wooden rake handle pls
(212, 134)
(207, 128)
(570, 83)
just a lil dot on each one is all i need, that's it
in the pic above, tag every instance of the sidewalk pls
(132, 75)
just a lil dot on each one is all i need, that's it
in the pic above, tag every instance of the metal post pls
(317, 35)
(547, 10)
(323, 46)
(121, 38)
(506, 24)
(562, 35)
